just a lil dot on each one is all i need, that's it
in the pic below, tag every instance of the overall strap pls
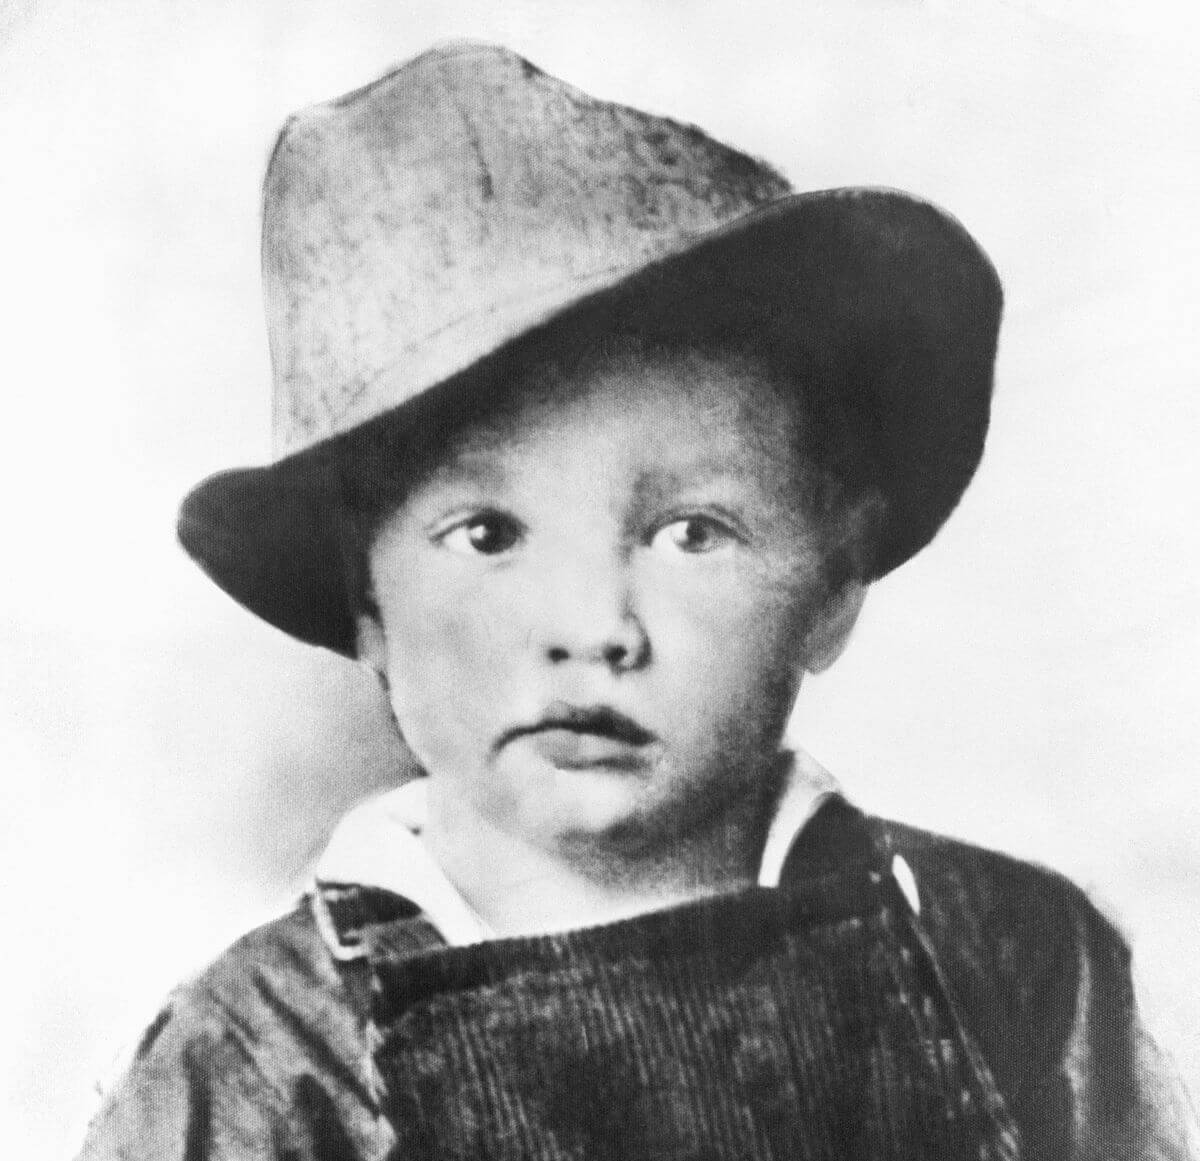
(839, 836)
(361, 925)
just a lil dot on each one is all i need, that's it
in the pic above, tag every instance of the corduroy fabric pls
(818, 1010)
(771, 1024)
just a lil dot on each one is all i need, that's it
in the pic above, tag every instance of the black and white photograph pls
(600, 581)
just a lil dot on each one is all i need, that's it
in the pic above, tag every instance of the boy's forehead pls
(653, 428)
(690, 404)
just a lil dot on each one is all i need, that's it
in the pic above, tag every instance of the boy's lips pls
(579, 736)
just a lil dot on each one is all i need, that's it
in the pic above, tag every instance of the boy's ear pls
(370, 644)
(830, 631)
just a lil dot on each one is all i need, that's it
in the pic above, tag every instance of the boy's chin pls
(593, 801)
(597, 810)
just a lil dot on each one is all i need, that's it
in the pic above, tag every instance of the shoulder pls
(274, 991)
(983, 907)
(281, 966)
(1023, 946)
(1043, 971)
(986, 898)
(1044, 983)
(264, 1037)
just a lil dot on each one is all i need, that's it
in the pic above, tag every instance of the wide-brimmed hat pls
(419, 232)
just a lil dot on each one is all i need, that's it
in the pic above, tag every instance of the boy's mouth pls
(578, 736)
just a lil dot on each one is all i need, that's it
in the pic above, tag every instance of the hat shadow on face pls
(876, 314)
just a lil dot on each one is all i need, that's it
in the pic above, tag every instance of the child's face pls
(597, 610)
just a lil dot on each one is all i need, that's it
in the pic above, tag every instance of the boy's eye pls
(693, 534)
(487, 534)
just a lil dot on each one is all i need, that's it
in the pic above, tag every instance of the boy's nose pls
(623, 646)
(592, 619)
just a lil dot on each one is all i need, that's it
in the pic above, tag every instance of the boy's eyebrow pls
(468, 467)
(481, 468)
(713, 469)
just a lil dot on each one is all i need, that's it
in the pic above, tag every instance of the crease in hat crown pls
(416, 224)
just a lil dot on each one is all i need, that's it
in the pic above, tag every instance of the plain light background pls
(1029, 682)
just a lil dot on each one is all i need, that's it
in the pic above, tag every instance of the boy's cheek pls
(437, 611)
(738, 619)
(773, 584)
(737, 660)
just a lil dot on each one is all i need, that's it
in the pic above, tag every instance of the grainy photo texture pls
(665, 690)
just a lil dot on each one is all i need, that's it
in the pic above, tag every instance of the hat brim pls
(887, 296)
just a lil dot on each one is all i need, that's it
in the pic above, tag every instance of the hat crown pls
(416, 224)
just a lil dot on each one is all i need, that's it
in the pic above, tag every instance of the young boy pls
(593, 435)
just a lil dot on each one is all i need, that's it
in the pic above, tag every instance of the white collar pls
(378, 844)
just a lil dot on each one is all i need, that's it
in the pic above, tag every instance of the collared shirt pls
(380, 844)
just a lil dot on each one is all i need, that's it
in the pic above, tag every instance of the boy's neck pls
(518, 888)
